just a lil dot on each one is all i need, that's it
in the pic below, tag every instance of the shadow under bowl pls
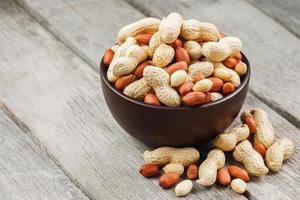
(168, 126)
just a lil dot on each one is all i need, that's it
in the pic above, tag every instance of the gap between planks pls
(261, 9)
(59, 37)
(26, 171)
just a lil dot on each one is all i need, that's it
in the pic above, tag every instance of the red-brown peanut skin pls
(181, 54)
(176, 44)
(260, 148)
(227, 88)
(238, 57)
(149, 170)
(123, 81)
(138, 72)
(182, 65)
(223, 176)
(152, 99)
(198, 77)
(169, 180)
(192, 172)
(208, 97)
(186, 88)
(217, 84)
(194, 98)
(230, 62)
(108, 56)
(143, 38)
(250, 121)
(237, 172)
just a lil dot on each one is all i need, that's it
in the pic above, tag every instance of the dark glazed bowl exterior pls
(166, 126)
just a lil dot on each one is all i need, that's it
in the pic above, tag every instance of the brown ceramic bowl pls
(167, 126)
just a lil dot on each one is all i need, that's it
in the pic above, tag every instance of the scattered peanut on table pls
(181, 166)
(188, 50)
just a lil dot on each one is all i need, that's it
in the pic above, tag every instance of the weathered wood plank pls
(58, 97)
(265, 42)
(273, 51)
(92, 25)
(286, 12)
(26, 172)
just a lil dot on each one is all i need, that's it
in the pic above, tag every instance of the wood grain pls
(57, 97)
(272, 50)
(92, 25)
(26, 172)
(285, 12)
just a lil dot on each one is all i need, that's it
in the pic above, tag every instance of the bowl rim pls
(246, 78)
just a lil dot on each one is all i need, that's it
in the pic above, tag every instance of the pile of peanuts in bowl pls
(174, 62)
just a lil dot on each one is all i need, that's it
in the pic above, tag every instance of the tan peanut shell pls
(190, 29)
(159, 80)
(252, 160)
(228, 140)
(163, 55)
(216, 51)
(227, 74)
(206, 68)
(194, 49)
(137, 89)
(216, 96)
(169, 28)
(119, 52)
(234, 43)
(166, 155)
(278, 152)
(154, 42)
(194, 30)
(147, 49)
(115, 47)
(264, 129)
(133, 56)
(208, 169)
(174, 167)
(219, 51)
(146, 25)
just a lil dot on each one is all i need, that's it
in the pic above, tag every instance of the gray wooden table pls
(57, 137)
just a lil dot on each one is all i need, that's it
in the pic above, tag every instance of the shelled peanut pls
(180, 166)
(202, 65)
(173, 161)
